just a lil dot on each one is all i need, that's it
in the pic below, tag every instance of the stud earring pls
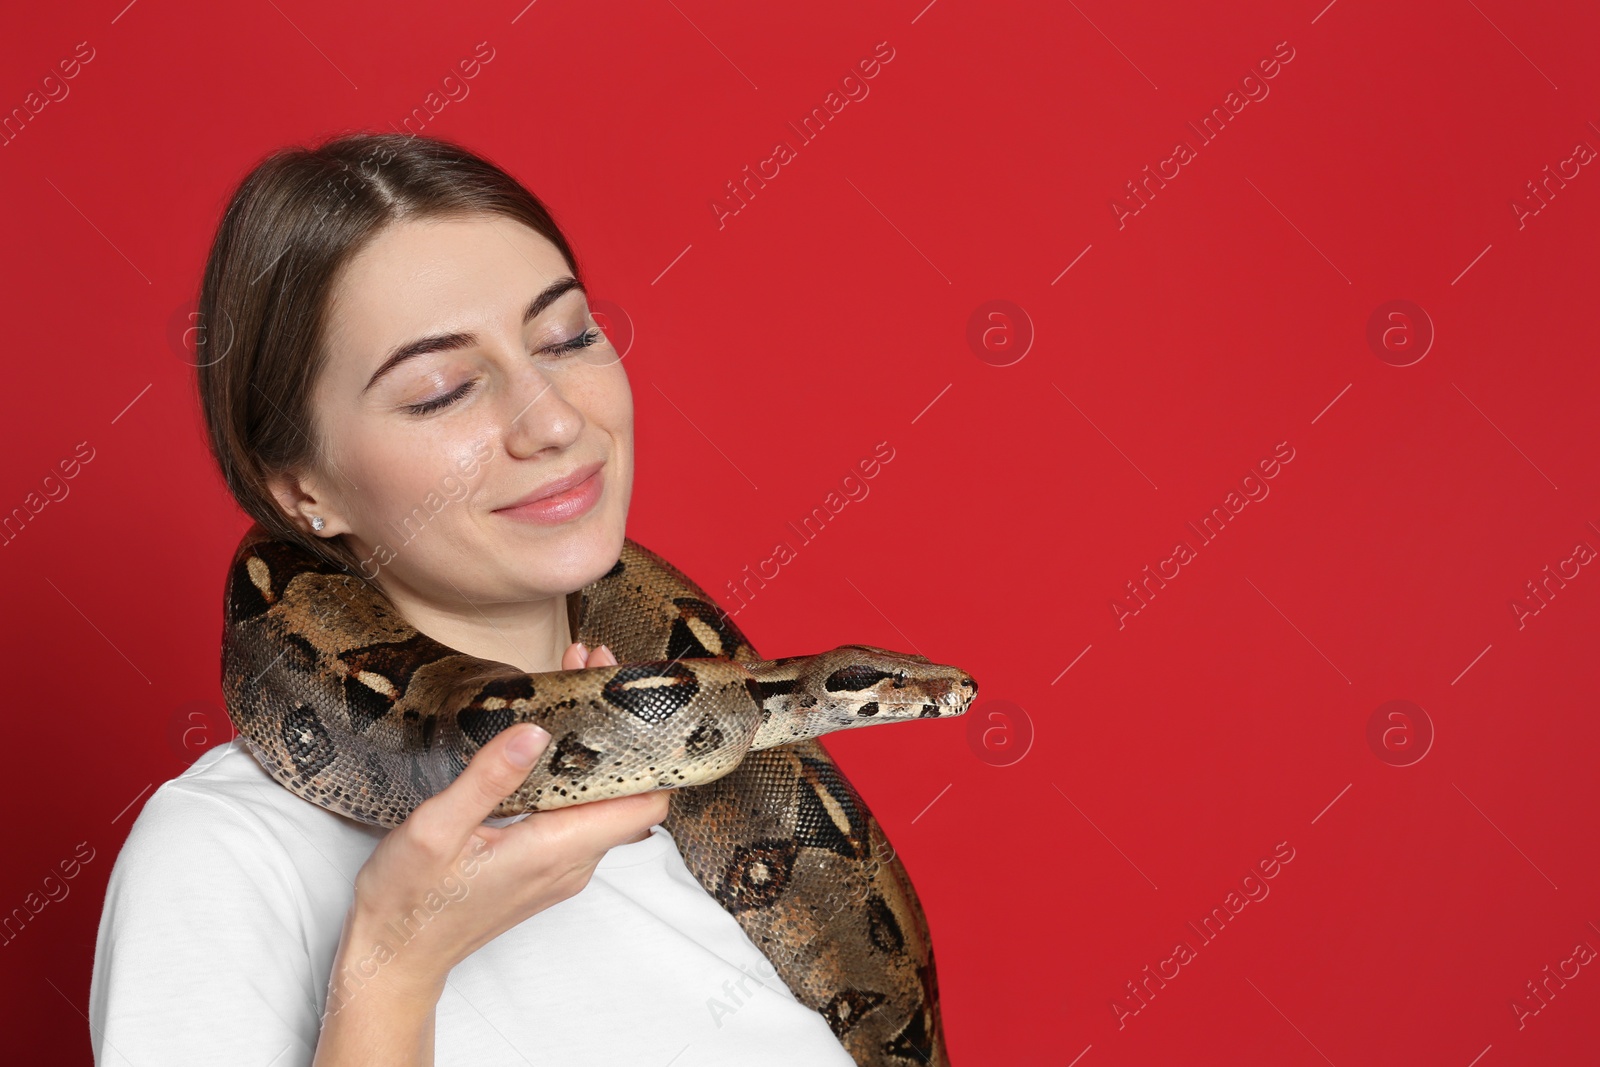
(317, 523)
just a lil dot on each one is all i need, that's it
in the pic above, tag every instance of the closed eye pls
(586, 339)
(441, 402)
(589, 337)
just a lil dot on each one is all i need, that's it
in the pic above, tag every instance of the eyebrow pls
(444, 342)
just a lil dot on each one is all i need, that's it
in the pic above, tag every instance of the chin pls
(574, 557)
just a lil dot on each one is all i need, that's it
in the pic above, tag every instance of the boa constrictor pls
(354, 710)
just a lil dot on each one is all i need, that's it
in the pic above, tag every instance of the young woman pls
(384, 314)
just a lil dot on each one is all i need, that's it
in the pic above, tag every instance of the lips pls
(556, 486)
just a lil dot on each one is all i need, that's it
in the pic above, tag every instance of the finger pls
(602, 657)
(607, 823)
(494, 773)
(575, 657)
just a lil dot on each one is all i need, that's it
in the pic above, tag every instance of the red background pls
(831, 313)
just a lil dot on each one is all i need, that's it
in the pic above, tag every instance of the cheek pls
(608, 405)
(401, 474)
(612, 402)
(603, 396)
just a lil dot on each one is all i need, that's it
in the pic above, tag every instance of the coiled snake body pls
(351, 708)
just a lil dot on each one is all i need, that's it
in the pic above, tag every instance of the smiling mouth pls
(562, 500)
(557, 486)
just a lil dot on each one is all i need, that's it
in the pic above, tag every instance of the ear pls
(299, 499)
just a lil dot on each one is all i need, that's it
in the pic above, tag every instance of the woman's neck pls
(529, 635)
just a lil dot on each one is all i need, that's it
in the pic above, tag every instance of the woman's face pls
(465, 376)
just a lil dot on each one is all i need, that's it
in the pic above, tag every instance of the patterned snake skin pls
(352, 709)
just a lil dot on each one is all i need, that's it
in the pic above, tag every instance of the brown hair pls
(294, 221)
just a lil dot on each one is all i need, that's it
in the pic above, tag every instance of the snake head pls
(855, 685)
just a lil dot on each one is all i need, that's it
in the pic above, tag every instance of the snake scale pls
(352, 709)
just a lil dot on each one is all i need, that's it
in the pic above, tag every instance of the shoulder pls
(221, 905)
(224, 858)
(222, 799)
(225, 820)
(225, 795)
(225, 775)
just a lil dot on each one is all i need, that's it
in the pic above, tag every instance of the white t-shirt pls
(225, 906)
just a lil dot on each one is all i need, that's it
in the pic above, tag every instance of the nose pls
(537, 413)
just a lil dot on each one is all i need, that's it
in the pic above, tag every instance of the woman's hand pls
(448, 885)
(490, 878)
